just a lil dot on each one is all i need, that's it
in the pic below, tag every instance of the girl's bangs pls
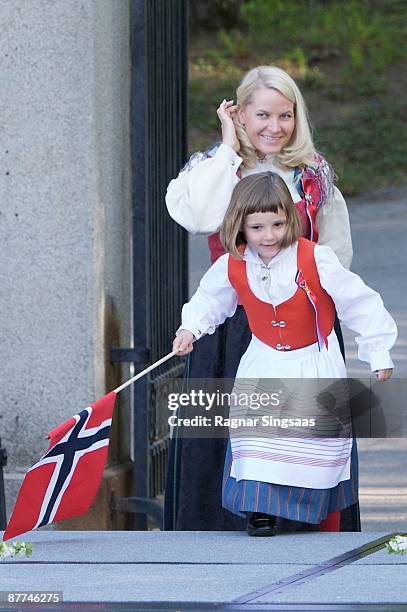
(263, 204)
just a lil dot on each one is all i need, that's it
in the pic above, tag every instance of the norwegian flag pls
(64, 482)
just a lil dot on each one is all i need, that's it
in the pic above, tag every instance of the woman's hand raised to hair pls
(183, 342)
(226, 112)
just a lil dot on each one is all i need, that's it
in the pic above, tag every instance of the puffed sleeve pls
(198, 198)
(334, 228)
(214, 301)
(360, 308)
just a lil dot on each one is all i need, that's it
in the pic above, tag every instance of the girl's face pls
(269, 121)
(264, 233)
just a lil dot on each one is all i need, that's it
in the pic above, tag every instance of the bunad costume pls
(197, 199)
(290, 305)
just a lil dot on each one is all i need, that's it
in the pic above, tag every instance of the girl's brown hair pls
(260, 192)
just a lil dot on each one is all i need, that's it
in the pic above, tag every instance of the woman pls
(267, 129)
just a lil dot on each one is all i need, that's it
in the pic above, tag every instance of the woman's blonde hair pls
(300, 150)
(260, 192)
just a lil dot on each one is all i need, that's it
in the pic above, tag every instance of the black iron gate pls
(3, 462)
(160, 258)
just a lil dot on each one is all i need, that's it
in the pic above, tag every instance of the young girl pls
(289, 288)
(267, 129)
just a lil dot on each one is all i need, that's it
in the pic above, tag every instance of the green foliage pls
(265, 20)
(204, 99)
(397, 545)
(366, 147)
(15, 548)
(367, 38)
(235, 44)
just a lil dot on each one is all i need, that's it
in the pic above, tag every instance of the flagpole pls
(146, 371)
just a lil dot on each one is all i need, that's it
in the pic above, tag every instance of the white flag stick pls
(146, 371)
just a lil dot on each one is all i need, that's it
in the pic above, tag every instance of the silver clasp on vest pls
(278, 323)
(283, 347)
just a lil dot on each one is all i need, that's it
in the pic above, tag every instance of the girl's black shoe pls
(261, 525)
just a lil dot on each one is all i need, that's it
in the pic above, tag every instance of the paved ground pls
(229, 568)
(379, 231)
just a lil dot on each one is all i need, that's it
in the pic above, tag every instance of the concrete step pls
(169, 568)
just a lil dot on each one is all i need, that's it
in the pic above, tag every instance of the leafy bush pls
(366, 37)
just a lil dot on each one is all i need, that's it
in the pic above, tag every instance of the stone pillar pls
(65, 218)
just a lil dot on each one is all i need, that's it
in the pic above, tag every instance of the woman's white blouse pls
(359, 307)
(198, 199)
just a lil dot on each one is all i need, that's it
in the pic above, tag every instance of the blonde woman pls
(267, 129)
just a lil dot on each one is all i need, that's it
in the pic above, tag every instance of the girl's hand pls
(183, 342)
(226, 112)
(384, 374)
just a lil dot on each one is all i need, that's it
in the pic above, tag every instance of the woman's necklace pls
(263, 158)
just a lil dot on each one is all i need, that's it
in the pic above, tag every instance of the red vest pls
(305, 318)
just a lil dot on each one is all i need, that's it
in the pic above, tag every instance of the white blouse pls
(198, 199)
(358, 306)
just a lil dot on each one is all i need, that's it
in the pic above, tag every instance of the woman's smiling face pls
(269, 121)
